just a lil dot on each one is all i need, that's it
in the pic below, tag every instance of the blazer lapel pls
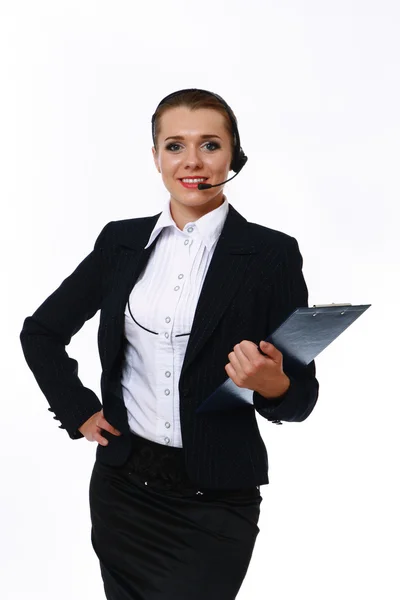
(231, 257)
(226, 270)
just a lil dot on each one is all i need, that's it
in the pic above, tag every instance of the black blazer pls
(253, 283)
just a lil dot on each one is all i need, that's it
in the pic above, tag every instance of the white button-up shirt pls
(158, 320)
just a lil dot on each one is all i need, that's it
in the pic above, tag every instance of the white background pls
(315, 87)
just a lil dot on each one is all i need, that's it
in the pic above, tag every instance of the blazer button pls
(277, 422)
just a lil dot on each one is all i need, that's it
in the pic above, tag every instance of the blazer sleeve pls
(289, 291)
(45, 334)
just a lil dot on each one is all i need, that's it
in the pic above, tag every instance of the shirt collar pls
(209, 225)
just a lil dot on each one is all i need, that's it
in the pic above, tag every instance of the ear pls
(155, 157)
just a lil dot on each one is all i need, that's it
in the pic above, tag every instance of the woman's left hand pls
(248, 368)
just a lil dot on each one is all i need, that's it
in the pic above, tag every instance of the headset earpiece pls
(238, 162)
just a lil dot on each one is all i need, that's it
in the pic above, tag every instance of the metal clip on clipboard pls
(333, 304)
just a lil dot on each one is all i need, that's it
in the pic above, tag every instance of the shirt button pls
(167, 373)
(168, 320)
(190, 229)
(166, 334)
(177, 287)
(180, 276)
(167, 425)
(167, 392)
(167, 440)
(186, 242)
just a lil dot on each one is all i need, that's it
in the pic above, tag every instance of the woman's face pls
(193, 144)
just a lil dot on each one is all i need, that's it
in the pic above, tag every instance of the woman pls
(185, 296)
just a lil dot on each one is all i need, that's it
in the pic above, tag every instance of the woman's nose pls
(193, 157)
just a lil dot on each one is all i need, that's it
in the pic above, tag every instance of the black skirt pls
(159, 538)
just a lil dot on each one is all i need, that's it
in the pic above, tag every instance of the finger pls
(271, 351)
(97, 437)
(230, 371)
(103, 424)
(235, 364)
(247, 355)
(245, 352)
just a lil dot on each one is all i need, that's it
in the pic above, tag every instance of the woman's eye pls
(215, 144)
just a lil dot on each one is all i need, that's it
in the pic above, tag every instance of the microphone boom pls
(207, 186)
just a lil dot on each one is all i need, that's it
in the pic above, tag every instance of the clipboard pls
(305, 334)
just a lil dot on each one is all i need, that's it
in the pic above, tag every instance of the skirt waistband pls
(157, 461)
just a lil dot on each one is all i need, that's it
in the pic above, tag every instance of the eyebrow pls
(203, 137)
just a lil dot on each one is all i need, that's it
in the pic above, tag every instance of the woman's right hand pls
(91, 429)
